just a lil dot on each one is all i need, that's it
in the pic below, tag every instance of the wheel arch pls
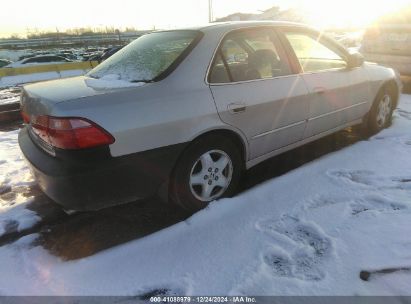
(238, 139)
(391, 83)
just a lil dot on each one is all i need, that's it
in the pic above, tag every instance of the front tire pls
(380, 115)
(208, 170)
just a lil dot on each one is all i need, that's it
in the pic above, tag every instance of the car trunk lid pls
(38, 100)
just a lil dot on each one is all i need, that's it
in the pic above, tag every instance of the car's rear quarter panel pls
(171, 111)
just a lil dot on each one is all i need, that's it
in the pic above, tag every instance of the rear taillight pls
(70, 132)
(26, 117)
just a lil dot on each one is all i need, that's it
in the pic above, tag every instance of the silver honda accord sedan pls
(186, 112)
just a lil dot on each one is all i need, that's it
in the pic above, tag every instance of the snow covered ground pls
(308, 232)
(14, 174)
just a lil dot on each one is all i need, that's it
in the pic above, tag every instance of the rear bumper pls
(92, 179)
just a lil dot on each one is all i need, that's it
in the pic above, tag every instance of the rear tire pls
(380, 115)
(209, 169)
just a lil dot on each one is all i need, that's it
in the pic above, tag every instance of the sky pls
(21, 16)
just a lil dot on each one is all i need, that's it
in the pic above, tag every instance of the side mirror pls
(355, 60)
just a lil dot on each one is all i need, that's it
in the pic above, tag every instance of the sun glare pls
(45, 15)
(350, 13)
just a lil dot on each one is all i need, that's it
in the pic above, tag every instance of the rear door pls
(338, 95)
(256, 90)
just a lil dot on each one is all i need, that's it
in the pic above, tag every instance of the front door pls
(338, 94)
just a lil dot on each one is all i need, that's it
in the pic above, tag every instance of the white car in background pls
(4, 62)
(39, 60)
(389, 45)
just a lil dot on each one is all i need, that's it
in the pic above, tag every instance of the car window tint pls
(261, 42)
(313, 55)
(233, 52)
(249, 55)
(219, 72)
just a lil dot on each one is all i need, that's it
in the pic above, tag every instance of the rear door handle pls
(235, 108)
(319, 90)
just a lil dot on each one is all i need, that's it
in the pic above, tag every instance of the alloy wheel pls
(211, 175)
(384, 111)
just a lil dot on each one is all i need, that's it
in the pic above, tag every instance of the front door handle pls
(235, 108)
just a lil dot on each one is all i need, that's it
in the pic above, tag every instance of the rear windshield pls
(149, 57)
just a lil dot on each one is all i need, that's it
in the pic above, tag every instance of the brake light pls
(70, 132)
(26, 117)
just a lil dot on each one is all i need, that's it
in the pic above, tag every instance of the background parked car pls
(69, 56)
(25, 56)
(110, 52)
(96, 57)
(388, 42)
(42, 59)
(91, 56)
(389, 45)
(4, 62)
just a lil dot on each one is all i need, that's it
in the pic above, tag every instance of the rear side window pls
(248, 55)
(219, 73)
(313, 55)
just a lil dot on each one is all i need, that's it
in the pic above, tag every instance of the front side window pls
(147, 57)
(313, 55)
(248, 55)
